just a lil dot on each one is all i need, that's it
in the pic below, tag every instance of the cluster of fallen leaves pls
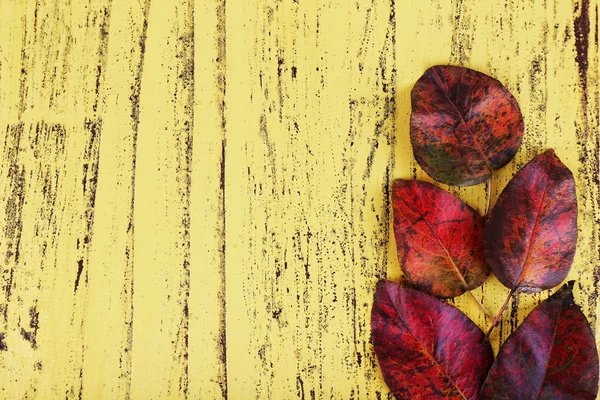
(465, 125)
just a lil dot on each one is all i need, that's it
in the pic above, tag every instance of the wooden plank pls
(162, 205)
(208, 364)
(109, 308)
(51, 150)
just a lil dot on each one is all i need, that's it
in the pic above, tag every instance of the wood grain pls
(194, 199)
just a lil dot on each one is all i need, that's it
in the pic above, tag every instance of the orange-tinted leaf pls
(464, 125)
(531, 234)
(425, 347)
(552, 355)
(438, 238)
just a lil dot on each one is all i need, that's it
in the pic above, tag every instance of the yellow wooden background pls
(194, 195)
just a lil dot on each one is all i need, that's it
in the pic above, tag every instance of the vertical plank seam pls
(393, 109)
(221, 82)
(190, 111)
(587, 132)
(391, 102)
(135, 115)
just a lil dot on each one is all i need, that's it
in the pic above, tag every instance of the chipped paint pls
(195, 199)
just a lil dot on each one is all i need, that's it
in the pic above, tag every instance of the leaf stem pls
(489, 196)
(481, 306)
(497, 319)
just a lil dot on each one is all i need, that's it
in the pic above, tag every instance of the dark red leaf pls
(425, 347)
(439, 239)
(530, 237)
(464, 125)
(552, 355)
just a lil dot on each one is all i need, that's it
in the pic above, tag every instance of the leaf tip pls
(550, 158)
(567, 288)
(565, 294)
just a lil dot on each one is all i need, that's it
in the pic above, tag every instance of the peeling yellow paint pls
(194, 195)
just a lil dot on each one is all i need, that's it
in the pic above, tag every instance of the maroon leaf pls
(425, 347)
(439, 239)
(552, 355)
(530, 237)
(464, 125)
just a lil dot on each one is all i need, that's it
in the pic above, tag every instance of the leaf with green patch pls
(464, 125)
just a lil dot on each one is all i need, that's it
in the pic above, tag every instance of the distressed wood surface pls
(194, 195)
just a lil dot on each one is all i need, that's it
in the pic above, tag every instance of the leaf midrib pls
(525, 262)
(424, 349)
(438, 81)
(560, 310)
(436, 236)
